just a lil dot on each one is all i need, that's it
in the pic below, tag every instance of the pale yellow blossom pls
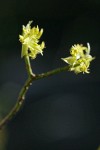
(30, 41)
(80, 58)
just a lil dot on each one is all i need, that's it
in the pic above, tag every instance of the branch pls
(18, 104)
(22, 94)
(52, 72)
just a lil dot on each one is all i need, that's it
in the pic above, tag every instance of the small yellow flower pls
(80, 58)
(30, 41)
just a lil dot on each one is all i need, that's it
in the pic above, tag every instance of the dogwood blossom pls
(30, 41)
(80, 58)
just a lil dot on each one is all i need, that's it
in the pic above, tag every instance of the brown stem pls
(23, 92)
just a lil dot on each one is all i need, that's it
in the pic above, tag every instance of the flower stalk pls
(21, 99)
(28, 66)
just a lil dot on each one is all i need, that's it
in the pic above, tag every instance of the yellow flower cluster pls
(80, 58)
(30, 39)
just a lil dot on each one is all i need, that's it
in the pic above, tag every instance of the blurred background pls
(61, 112)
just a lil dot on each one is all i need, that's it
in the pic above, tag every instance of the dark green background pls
(61, 112)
